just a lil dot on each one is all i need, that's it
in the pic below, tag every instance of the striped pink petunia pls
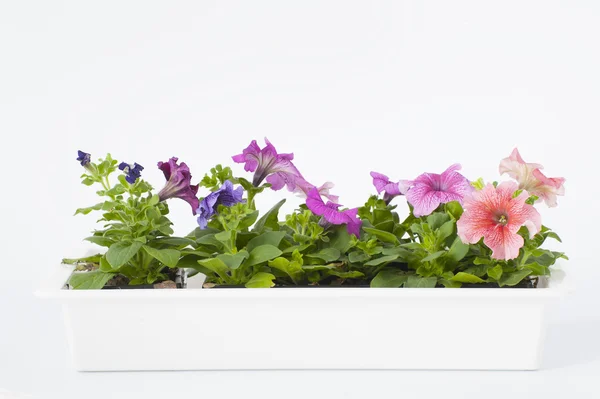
(429, 190)
(496, 216)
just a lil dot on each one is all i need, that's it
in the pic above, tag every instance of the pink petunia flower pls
(278, 169)
(493, 213)
(530, 178)
(331, 214)
(429, 190)
(390, 189)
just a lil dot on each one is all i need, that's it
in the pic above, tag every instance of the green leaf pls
(458, 250)
(121, 252)
(168, 257)
(248, 221)
(350, 274)
(175, 241)
(261, 280)
(420, 282)
(381, 260)
(358, 257)
(262, 254)
(552, 234)
(270, 238)
(292, 269)
(270, 219)
(463, 277)
(433, 256)
(233, 261)
(106, 205)
(382, 235)
(340, 239)
(445, 230)
(217, 266)
(326, 254)
(88, 259)
(450, 283)
(89, 280)
(437, 219)
(537, 269)
(495, 272)
(99, 240)
(514, 278)
(153, 200)
(389, 278)
(454, 209)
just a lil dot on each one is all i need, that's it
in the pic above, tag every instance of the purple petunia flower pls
(329, 211)
(132, 172)
(390, 189)
(83, 157)
(226, 196)
(429, 190)
(178, 184)
(267, 163)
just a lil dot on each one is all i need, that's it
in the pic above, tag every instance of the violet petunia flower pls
(178, 183)
(330, 213)
(429, 190)
(390, 189)
(83, 157)
(226, 196)
(266, 163)
(132, 172)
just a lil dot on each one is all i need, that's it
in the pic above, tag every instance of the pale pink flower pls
(530, 178)
(493, 213)
(303, 188)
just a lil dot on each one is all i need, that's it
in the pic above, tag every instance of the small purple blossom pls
(226, 196)
(83, 157)
(330, 213)
(178, 183)
(429, 190)
(390, 189)
(132, 172)
(266, 163)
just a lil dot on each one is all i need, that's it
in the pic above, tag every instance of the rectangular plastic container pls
(304, 328)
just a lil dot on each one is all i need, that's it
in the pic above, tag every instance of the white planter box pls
(304, 328)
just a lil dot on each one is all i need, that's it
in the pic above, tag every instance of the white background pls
(400, 87)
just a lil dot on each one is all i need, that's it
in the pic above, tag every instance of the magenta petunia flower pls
(266, 163)
(178, 183)
(329, 211)
(530, 178)
(390, 189)
(429, 190)
(493, 213)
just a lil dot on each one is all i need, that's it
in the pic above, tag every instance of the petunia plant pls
(135, 229)
(452, 231)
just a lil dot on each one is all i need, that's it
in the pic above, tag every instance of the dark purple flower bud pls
(178, 184)
(226, 196)
(83, 157)
(132, 172)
